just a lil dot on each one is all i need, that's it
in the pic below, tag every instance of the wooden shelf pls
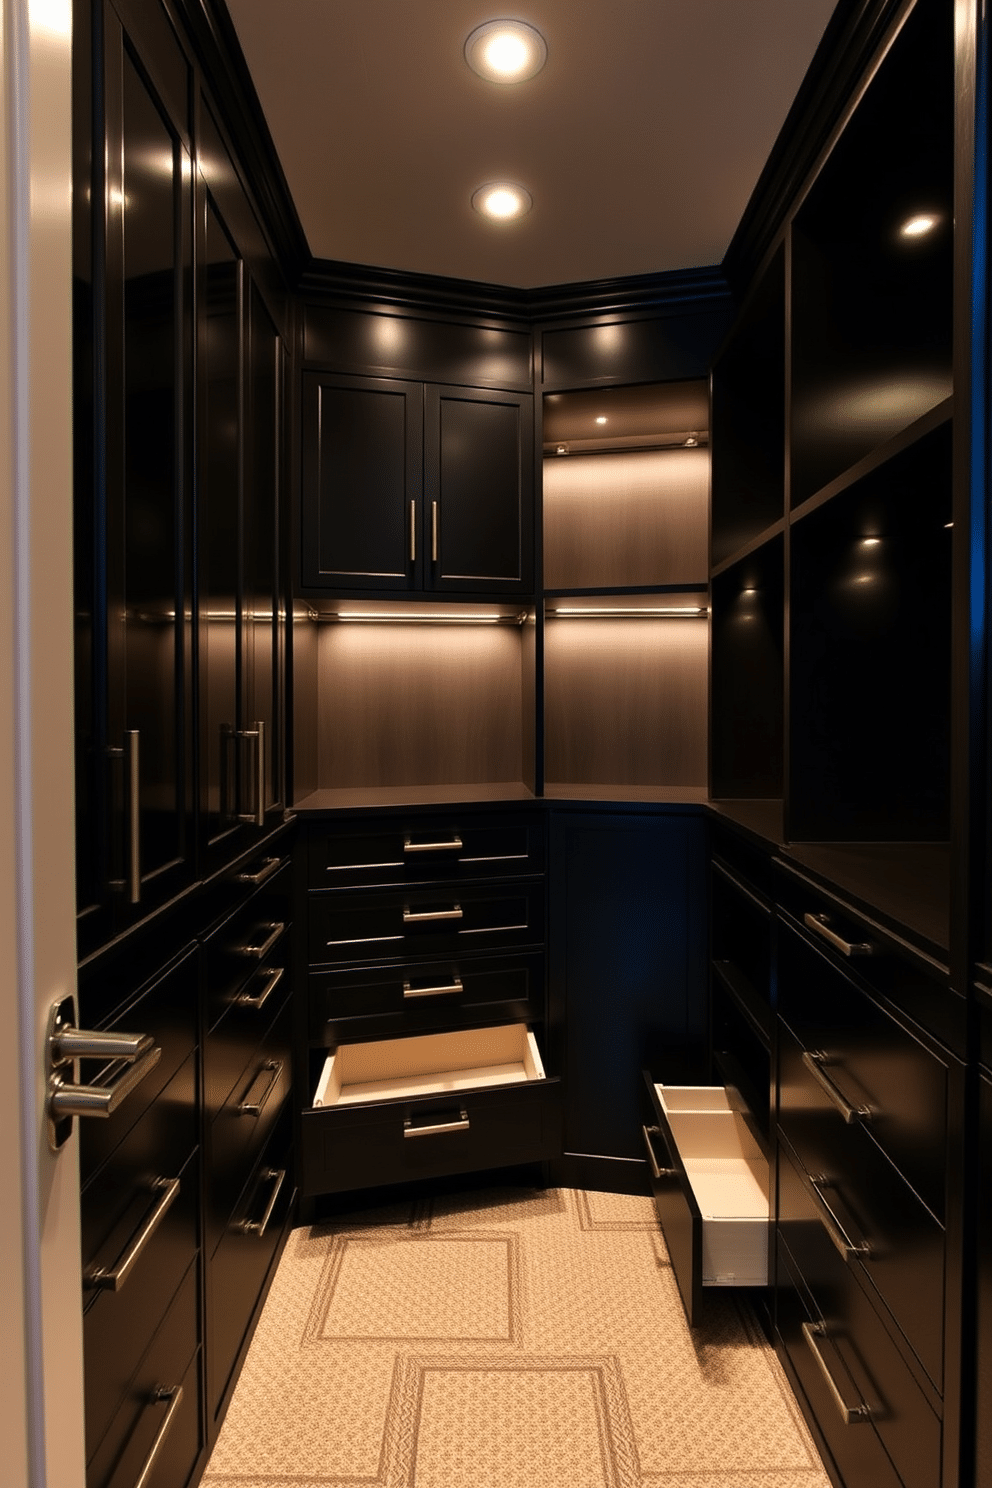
(371, 798)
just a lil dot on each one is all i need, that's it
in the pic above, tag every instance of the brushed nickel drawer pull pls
(113, 1278)
(814, 1060)
(454, 844)
(275, 975)
(848, 1249)
(656, 1172)
(174, 1395)
(259, 952)
(816, 1337)
(272, 1067)
(419, 916)
(413, 532)
(460, 1123)
(269, 866)
(257, 1227)
(453, 986)
(433, 531)
(819, 924)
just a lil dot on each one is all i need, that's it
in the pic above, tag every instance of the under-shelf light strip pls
(637, 612)
(402, 617)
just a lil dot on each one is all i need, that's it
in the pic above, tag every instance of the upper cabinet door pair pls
(409, 488)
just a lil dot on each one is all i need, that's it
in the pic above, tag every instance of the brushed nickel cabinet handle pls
(814, 1060)
(819, 924)
(269, 866)
(433, 531)
(455, 985)
(848, 1249)
(271, 1067)
(133, 760)
(413, 532)
(816, 1337)
(656, 1171)
(460, 1123)
(111, 1279)
(275, 975)
(453, 844)
(418, 916)
(174, 1395)
(259, 952)
(257, 1227)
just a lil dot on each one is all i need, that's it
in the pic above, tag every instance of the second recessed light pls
(506, 51)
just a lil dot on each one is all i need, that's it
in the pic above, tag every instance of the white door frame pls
(41, 1410)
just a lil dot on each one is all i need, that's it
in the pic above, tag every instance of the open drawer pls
(710, 1183)
(396, 1109)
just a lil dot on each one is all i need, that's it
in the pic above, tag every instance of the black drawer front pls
(355, 1146)
(443, 921)
(388, 1001)
(741, 938)
(741, 1054)
(418, 849)
(245, 1123)
(916, 985)
(814, 1286)
(252, 943)
(172, 1359)
(166, 1009)
(158, 1147)
(871, 1061)
(118, 1325)
(237, 1272)
(233, 1041)
(678, 1212)
(863, 1197)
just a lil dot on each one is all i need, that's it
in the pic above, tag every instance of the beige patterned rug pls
(509, 1338)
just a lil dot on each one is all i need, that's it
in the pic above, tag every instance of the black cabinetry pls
(422, 1052)
(627, 986)
(133, 329)
(415, 487)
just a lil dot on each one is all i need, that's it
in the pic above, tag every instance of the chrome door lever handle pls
(65, 1044)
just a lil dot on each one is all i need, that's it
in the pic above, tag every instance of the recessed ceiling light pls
(919, 226)
(502, 201)
(506, 51)
(601, 419)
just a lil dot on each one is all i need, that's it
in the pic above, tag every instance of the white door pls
(41, 1415)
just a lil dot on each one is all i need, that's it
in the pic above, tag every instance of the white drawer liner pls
(728, 1175)
(429, 1064)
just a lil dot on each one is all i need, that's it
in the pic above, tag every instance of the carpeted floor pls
(510, 1338)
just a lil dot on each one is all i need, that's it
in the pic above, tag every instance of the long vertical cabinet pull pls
(132, 760)
(433, 531)
(413, 532)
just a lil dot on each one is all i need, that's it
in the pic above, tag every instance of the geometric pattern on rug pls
(505, 1338)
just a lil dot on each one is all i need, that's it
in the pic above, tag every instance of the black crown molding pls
(852, 38)
(211, 31)
(325, 280)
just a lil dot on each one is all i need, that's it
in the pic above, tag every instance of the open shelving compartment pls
(427, 701)
(870, 664)
(625, 656)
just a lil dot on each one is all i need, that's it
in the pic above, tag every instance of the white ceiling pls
(640, 141)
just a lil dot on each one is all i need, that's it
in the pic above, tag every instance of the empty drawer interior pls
(727, 1174)
(430, 1064)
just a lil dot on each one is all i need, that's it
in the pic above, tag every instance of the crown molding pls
(847, 48)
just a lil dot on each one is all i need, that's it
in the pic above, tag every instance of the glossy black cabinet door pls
(478, 489)
(408, 488)
(133, 555)
(362, 483)
(240, 378)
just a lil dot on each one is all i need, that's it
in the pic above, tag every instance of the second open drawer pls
(709, 1178)
(395, 1109)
